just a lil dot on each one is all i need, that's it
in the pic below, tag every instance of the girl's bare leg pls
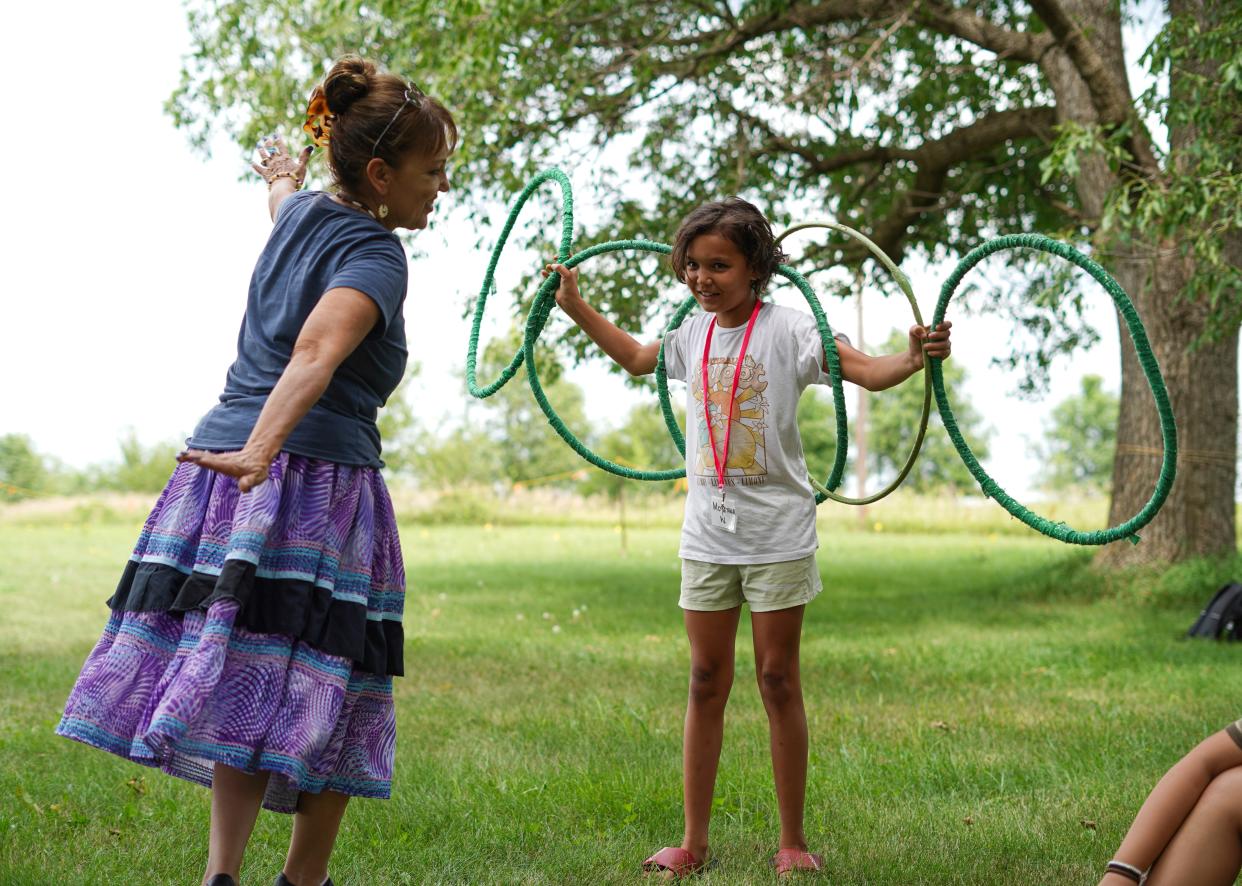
(777, 636)
(1207, 848)
(712, 636)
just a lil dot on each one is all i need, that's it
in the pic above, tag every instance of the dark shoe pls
(221, 880)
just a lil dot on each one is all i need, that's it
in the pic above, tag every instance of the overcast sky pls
(129, 256)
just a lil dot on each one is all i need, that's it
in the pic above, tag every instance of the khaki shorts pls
(766, 587)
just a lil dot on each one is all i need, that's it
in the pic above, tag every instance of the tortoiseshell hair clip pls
(319, 119)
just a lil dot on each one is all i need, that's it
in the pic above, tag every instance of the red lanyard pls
(722, 466)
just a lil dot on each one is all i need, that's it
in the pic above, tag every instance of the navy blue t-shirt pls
(316, 245)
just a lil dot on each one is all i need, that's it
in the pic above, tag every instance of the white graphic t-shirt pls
(765, 476)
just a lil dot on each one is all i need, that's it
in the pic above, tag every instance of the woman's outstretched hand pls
(276, 162)
(249, 469)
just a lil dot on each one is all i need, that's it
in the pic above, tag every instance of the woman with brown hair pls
(257, 626)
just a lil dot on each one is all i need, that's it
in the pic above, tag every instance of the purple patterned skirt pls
(261, 631)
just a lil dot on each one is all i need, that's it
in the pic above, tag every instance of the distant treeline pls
(27, 473)
(506, 441)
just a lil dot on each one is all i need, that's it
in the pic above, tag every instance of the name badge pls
(724, 513)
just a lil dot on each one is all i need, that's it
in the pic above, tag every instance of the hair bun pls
(348, 81)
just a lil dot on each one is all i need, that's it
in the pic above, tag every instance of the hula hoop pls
(489, 279)
(1147, 359)
(539, 312)
(934, 376)
(903, 282)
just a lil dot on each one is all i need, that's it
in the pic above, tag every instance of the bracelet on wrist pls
(1129, 871)
(297, 182)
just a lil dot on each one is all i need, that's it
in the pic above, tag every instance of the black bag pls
(1221, 619)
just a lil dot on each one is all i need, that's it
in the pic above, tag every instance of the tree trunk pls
(1197, 519)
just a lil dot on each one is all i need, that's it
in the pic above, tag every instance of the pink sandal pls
(789, 860)
(677, 861)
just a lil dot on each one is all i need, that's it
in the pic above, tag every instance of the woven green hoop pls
(825, 490)
(1147, 360)
(541, 309)
(537, 318)
(489, 279)
(545, 298)
(831, 355)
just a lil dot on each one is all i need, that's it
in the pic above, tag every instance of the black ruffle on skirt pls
(268, 606)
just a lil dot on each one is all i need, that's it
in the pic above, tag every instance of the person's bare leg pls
(712, 636)
(777, 636)
(236, 798)
(1207, 848)
(315, 828)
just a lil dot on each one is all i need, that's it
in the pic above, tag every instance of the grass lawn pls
(978, 714)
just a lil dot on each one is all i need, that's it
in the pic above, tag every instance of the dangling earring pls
(383, 210)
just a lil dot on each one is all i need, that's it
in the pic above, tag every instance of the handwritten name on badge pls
(724, 515)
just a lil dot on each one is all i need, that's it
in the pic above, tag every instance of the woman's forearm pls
(335, 327)
(299, 388)
(281, 190)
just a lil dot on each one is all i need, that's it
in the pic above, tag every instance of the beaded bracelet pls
(1129, 871)
(297, 182)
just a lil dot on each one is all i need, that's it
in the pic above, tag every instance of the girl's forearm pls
(881, 373)
(299, 388)
(629, 353)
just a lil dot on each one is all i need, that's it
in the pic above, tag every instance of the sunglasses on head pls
(413, 95)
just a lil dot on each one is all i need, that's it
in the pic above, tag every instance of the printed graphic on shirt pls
(748, 460)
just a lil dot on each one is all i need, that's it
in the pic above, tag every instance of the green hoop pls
(545, 298)
(904, 282)
(1147, 359)
(489, 278)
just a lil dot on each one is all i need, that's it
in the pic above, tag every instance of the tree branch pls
(939, 16)
(943, 153)
(818, 161)
(1110, 97)
(1110, 100)
(935, 159)
(1006, 43)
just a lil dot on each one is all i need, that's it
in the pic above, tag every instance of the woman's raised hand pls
(275, 161)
